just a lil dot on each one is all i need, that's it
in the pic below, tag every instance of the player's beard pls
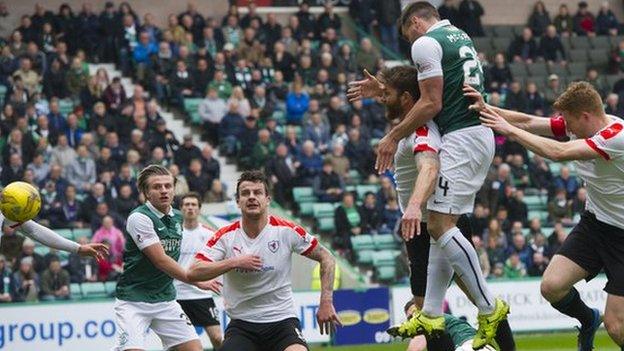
(394, 111)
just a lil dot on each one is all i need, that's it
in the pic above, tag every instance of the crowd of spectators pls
(273, 98)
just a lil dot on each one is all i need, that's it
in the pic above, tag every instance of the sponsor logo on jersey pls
(376, 316)
(273, 246)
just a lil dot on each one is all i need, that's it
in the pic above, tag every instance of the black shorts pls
(595, 245)
(275, 336)
(418, 254)
(202, 312)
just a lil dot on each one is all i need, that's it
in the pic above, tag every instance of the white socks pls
(439, 274)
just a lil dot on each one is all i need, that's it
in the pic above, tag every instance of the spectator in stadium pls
(535, 226)
(538, 265)
(181, 83)
(556, 239)
(347, 220)
(55, 282)
(39, 167)
(262, 150)
(516, 99)
(54, 80)
(606, 22)
(496, 187)
(363, 14)
(534, 100)
(499, 75)
(564, 21)
(28, 250)
(82, 269)
(198, 180)
(112, 235)
(359, 153)
(114, 96)
(514, 267)
(390, 215)
(584, 21)
(63, 154)
(524, 47)
(518, 209)
(76, 78)
(70, 206)
(560, 208)
(125, 201)
(142, 54)
(327, 19)
(317, 131)
(551, 47)
(7, 287)
(186, 152)
(181, 185)
(566, 181)
(281, 170)
(216, 193)
(102, 210)
(297, 102)
(29, 77)
(238, 96)
(387, 12)
(51, 206)
(471, 11)
(339, 161)
(13, 171)
(56, 177)
(539, 19)
(371, 217)
(448, 10)
(519, 247)
(307, 20)
(328, 185)
(553, 90)
(311, 164)
(613, 106)
(540, 174)
(366, 56)
(25, 281)
(230, 130)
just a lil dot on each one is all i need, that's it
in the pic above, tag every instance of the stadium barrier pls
(89, 325)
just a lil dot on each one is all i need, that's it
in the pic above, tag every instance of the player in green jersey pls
(145, 292)
(446, 59)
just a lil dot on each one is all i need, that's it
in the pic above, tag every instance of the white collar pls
(157, 212)
(439, 24)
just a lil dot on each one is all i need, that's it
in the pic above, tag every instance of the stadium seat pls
(322, 209)
(501, 44)
(110, 288)
(542, 215)
(364, 256)
(279, 116)
(558, 69)
(384, 258)
(362, 242)
(615, 41)
(66, 106)
(547, 231)
(483, 44)
(75, 290)
(577, 68)
(304, 194)
(489, 31)
(354, 177)
(385, 242)
(385, 273)
(611, 79)
(599, 57)
(326, 224)
(518, 70)
(42, 250)
(93, 290)
(535, 203)
(363, 189)
(600, 42)
(306, 209)
(517, 30)
(537, 69)
(578, 55)
(504, 31)
(191, 104)
(3, 90)
(580, 43)
(80, 232)
(65, 233)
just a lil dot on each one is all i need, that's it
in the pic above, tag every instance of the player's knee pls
(551, 291)
(615, 328)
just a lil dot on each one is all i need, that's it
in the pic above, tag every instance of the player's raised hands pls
(491, 119)
(368, 87)
(477, 98)
(96, 250)
(249, 262)
(327, 318)
(212, 285)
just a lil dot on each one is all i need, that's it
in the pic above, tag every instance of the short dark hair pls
(191, 195)
(147, 172)
(254, 176)
(402, 78)
(421, 9)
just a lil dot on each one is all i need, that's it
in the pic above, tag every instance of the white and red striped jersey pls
(426, 138)
(604, 176)
(265, 295)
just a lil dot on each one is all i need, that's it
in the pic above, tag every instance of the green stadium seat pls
(42, 250)
(364, 256)
(385, 273)
(354, 177)
(547, 231)
(555, 168)
(526, 231)
(279, 116)
(326, 224)
(578, 55)
(80, 232)
(75, 290)
(362, 242)
(306, 209)
(94, 290)
(363, 189)
(349, 42)
(304, 194)
(322, 209)
(65, 233)
(566, 45)
(195, 118)
(558, 69)
(535, 203)
(384, 258)
(66, 106)
(110, 287)
(385, 242)
(191, 104)
(600, 42)
(517, 30)
(483, 44)
(580, 43)
(542, 215)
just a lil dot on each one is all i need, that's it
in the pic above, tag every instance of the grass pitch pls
(543, 342)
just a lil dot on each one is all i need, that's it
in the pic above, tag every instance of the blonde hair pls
(579, 97)
(147, 172)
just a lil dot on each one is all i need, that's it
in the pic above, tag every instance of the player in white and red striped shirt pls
(597, 242)
(255, 256)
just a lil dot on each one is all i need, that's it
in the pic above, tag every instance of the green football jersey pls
(459, 64)
(140, 280)
(459, 330)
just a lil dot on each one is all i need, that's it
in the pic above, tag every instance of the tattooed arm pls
(326, 315)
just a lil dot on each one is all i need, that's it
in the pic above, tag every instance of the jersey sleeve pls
(141, 230)
(300, 241)
(558, 126)
(427, 56)
(213, 251)
(609, 142)
(427, 138)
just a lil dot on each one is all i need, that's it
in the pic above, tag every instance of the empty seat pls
(320, 210)
(542, 215)
(615, 41)
(65, 233)
(326, 224)
(501, 44)
(504, 31)
(191, 104)
(518, 69)
(306, 209)
(385, 242)
(600, 42)
(537, 69)
(578, 55)
(93, 290)
(80, 232)
(363, 189)
(385, 273)
(611, 79)
(483, 44)
(558, 69)
(362, 242)
(580, 43)
(42, 250)
(535, 203)
(304, 194)
(577, 68)
(364, 256)
(599, 57)
(110, 287)
(75, 290)
(384, 258)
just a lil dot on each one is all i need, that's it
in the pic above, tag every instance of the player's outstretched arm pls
(326, 316)
(202, 269)
(369, 87)
(531, 123)
(49, 238)
(555, 150)
(428, 165)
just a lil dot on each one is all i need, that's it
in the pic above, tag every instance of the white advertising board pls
(529, 310)
(87, 325)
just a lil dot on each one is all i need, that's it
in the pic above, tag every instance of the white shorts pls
(166, 319)
(465, 158)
